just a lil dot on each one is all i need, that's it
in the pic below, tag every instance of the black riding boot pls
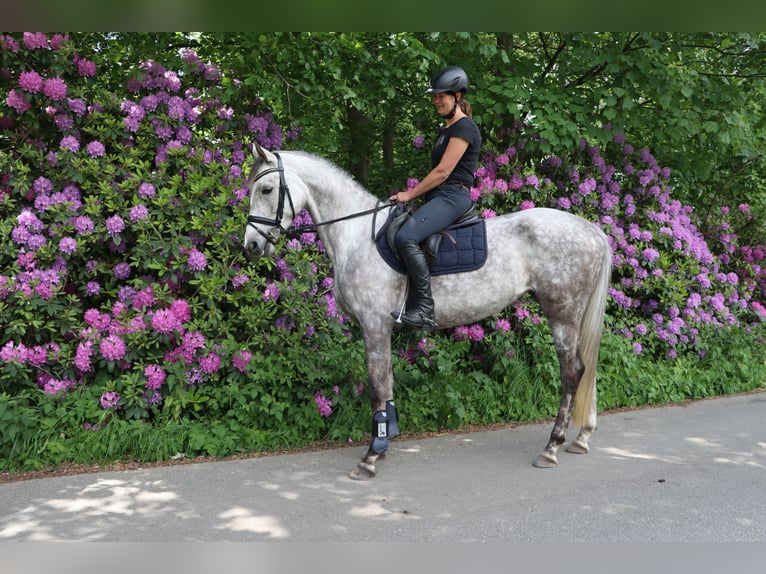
(421, 312)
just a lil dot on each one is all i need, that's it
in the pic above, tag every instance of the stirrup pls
(423, 322)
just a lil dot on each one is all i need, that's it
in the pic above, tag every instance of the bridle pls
(284, 192)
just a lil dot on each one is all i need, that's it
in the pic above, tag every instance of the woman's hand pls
(401, 197)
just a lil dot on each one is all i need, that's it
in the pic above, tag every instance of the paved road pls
(694, 473)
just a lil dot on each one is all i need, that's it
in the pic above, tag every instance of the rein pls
(284, 191)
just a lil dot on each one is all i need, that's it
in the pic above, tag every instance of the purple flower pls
(323, 404)
(180, 310)
(83, 225)
(30, 81)
(138, 212)
(92, 288)
(146, 190)
(67, 245)
(95, 149)
(70, 143)
(419, 141)
(113, 348)
(122, 270)
(196, 261)
(239, 280)
(55, 89)
(114, 225)
(109, 400)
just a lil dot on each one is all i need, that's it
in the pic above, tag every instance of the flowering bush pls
(127, 309)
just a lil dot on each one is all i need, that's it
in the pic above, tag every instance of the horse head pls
(269, 195)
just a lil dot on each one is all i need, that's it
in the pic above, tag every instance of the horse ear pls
(258, 151)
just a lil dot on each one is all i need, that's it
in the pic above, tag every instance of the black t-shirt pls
(466, 129)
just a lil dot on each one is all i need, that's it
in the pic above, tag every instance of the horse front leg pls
(381, 388)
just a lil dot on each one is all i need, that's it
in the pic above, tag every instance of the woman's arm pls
(455, 149)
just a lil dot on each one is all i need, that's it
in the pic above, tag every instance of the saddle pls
(464, 250)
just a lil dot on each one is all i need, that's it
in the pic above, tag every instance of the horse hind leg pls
(580, 444)
(572, 369)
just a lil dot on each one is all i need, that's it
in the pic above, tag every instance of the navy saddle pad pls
(463, 248)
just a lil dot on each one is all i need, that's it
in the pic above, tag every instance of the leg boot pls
(421, 314)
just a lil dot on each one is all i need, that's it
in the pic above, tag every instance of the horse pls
(563, 260)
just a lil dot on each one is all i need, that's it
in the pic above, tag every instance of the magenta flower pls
(82, 359)
(155, 376)
(109, 400)
(323, 404)
(164, 321)
(241, 360)
(113, 348)
(34, 40)
(85, 68)
(55, 89)
(18, 102)
(181, 310)
(30, 81)
(210, 363)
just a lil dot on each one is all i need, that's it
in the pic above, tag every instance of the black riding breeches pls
(443, 206)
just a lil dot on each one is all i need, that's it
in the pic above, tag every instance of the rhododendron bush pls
(126, 304)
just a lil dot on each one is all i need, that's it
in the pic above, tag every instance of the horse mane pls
(331, 172)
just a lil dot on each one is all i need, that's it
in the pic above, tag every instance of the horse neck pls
(333, 194)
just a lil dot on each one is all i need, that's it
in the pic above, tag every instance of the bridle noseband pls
(284, 191)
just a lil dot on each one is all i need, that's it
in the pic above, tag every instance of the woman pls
(454, 158)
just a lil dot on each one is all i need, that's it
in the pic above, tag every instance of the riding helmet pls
(451, 79)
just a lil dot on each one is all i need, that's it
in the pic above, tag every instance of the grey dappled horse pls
(564, 260)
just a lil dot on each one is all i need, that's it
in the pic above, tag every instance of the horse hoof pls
(546, 461)
(578, 448)
(363, 471)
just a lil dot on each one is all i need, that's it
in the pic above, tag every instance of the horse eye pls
(267, 190)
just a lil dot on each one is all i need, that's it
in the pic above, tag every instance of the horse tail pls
(590, 341)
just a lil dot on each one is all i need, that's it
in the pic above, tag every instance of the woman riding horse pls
(447, 186)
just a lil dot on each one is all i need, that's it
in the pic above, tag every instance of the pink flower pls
(55, 89)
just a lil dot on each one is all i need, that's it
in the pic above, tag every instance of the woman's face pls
(443, 102)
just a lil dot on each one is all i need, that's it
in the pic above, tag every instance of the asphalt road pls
(693, 473)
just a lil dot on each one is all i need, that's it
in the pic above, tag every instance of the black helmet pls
(451, 79)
